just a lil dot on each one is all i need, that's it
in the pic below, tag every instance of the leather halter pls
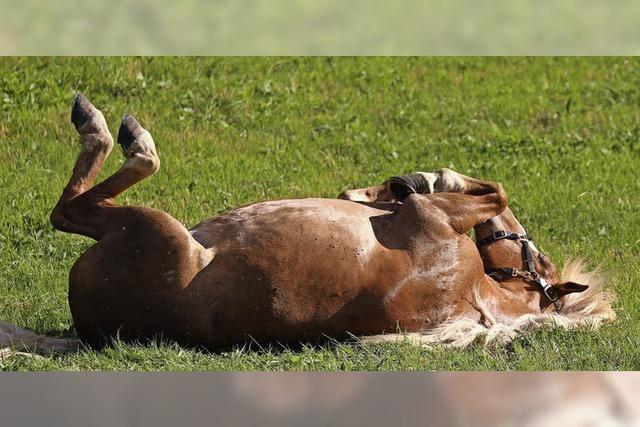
(530, 273)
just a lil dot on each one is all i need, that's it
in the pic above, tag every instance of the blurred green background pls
(561, 134)
(334, 27)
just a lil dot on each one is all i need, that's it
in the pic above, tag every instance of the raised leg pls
(467, 202)
(96, 143)
(447, 180)
(141, 161)
(81, 208)
(397, 188)
(466, 210)
(131, 281)
(472, 203)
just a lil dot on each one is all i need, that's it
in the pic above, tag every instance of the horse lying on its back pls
(297, 270)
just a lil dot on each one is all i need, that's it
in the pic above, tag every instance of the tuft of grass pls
(561, 134)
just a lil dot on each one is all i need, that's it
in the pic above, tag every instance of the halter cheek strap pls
(503, 234)
(530, 273)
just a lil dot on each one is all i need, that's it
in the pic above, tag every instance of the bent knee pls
(447, 180)
(501, 196)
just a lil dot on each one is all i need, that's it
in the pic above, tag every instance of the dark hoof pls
(129, 130)
(402, 186)
(81, 111)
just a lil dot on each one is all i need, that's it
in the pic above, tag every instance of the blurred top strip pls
(329, 27)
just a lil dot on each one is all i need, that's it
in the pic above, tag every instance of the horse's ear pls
(566, 288)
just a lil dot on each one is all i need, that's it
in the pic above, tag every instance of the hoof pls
(137, 146)
(402, 186)
(129, 131)
(82, 111)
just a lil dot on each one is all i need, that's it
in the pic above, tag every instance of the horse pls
(388, 261)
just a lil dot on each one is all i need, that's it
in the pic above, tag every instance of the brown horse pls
(296, 270)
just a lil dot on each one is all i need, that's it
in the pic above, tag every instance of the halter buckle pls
(499, 234)
(547, 289)
(551, 294)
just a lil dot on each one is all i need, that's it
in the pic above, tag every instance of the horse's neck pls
(504, 302)
(506, 221)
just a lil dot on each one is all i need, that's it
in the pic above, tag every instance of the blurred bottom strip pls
(318, 399)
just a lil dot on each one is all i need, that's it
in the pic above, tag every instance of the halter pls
(530, 273)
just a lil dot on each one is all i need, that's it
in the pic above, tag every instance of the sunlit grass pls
(561, 134)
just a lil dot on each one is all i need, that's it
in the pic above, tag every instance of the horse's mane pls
(595, 301)
(585, 310)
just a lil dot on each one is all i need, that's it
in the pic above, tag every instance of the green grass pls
(561, 134)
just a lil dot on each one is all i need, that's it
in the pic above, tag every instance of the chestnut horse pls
(288, 271)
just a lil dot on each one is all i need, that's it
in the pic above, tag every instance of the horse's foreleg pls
(397, 188)
(448, 181)
(376, 193)
(464, 211)
(476, 202)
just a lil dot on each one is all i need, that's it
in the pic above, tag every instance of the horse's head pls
(509, 256)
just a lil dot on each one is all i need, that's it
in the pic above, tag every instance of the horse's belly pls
(296, 273)
(235, 300)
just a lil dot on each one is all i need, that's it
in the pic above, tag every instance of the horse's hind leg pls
(130, 282)
(85, 210)
(96, 143)
(141, 161)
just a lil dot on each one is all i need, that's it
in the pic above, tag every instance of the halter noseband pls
(530, 273)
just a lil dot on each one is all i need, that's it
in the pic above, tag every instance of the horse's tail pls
(15, 340)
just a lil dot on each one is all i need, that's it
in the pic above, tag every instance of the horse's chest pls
(430, 289)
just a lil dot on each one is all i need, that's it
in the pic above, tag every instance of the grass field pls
(561, 134)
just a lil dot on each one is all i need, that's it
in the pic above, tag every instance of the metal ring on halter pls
(530, 273)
